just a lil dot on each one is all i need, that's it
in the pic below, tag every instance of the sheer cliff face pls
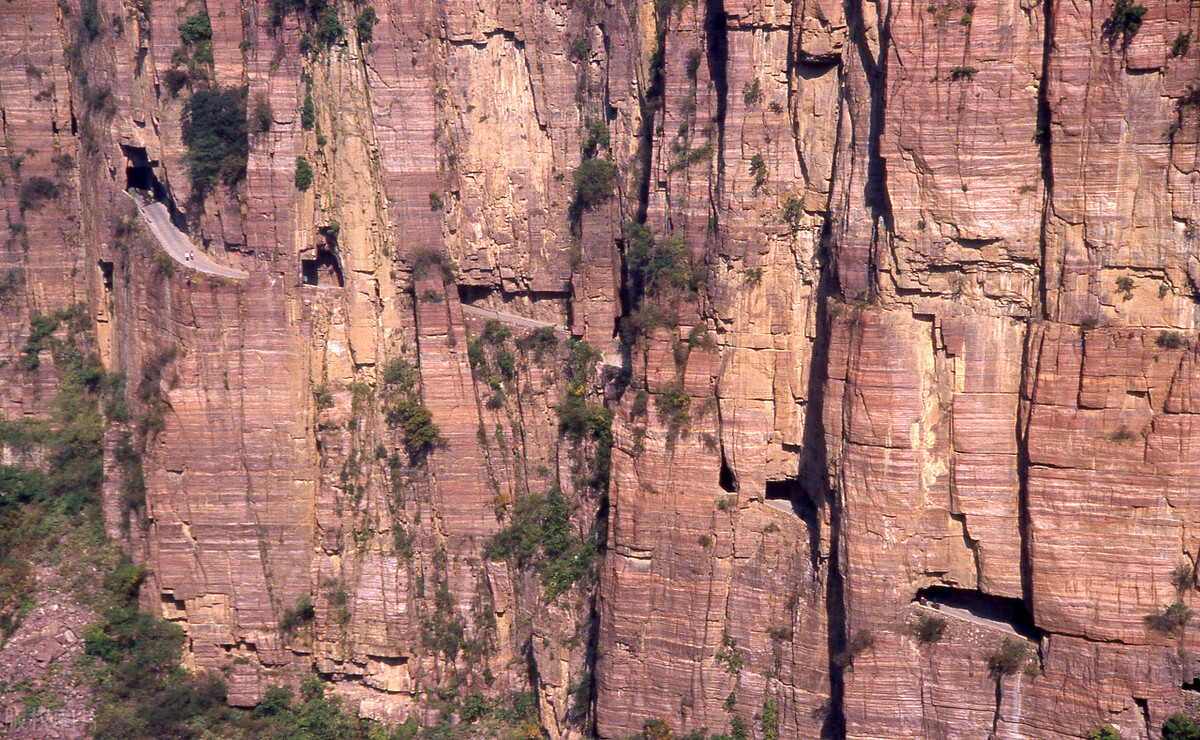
(945, 338)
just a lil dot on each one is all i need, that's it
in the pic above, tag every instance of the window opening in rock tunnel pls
(322, 271)
(986, 607)
(1193, 685)
(106, 274)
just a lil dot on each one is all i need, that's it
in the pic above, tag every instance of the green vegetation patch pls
(594, 181)
(540, 536)
(195, 29)
(403, 409)
(214, 130)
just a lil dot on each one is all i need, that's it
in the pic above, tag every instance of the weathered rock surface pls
(945, 339)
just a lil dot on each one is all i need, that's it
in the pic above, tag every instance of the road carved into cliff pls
(175, 243)
(991, 612)
(509, 318)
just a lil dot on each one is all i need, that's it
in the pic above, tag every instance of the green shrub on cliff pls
(1124, 21)
(1179, 726)
(214, 130)
(540, 536)
(304, 174)
(195, 29)
(1009, 657)
(594, 180)
(403, 409)
(1171, 620)
(364, 24)
(329, 27)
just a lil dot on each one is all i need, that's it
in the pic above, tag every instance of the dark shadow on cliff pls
(816, 488)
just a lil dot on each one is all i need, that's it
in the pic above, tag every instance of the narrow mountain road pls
(509, 318)
(175, 243)
(966, 616)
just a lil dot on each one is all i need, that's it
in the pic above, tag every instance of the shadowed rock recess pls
(654, 366)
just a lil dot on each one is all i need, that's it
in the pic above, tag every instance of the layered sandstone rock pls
(945, 339)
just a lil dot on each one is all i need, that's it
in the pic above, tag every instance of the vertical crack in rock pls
(814, 476)
(716, 32)
(1042, 134)
(1030, 362)
(996, 711)
(1032, 351)
(875, 190)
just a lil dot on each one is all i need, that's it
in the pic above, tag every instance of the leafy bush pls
(93, 25)
(1122, 434)
(1183, 577)
(929, 629)
(424, 259)
(963, 73)
(758, 169)
(261, 116)
(364, 24)
(195, 29)
(1107, 732)
(329, 27)
(421, 435)
(737, 729)
(1009, 658)
(495, 333)
(1179, 726)
(770, 714)
(752, 92)
(656, 267)
(308, 112)
(693, 155)
(793, 212)
(400, 373)
(298, 616)
(175, 80)
(506, 364)
(581, 48)
(579, 421)
(214, 130)
(304, 174)
(1172, 619)
(539, 535)
(594, 181)
(539, 341)
(674, 407)
(861, 642)
(597, 136)
(1181, 44)
(729, 656)
(1125, 285)
(1124, 21)
(35, 191)
(1170, 340)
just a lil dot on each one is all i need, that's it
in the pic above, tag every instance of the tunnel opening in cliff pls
(1000, 611)
(139, 172)
(323, 271)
